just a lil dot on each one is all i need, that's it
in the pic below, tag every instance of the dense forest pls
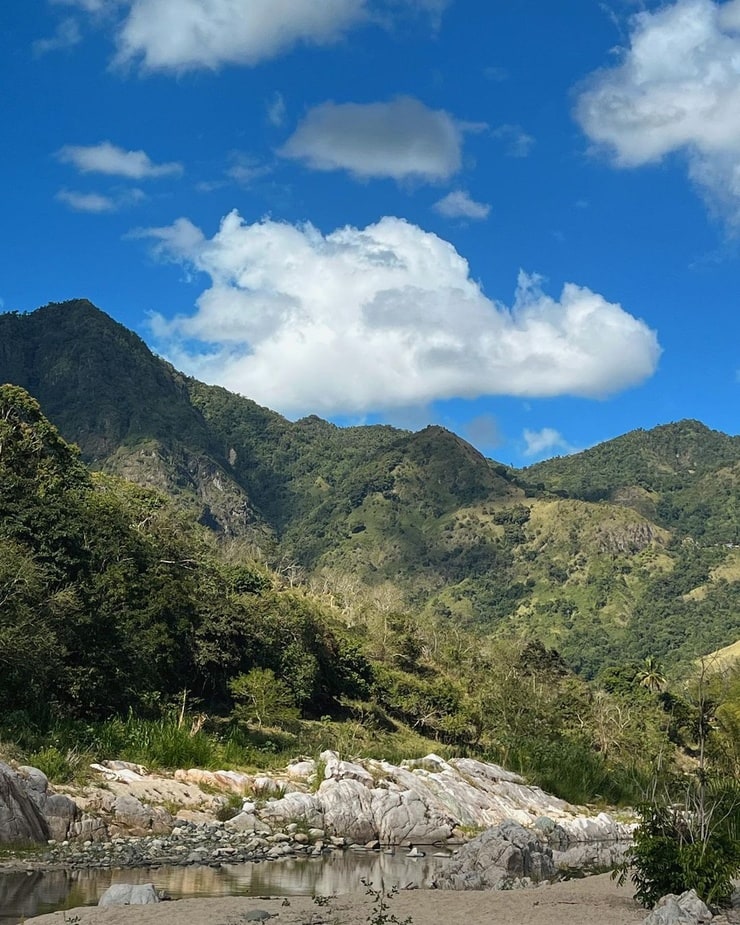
(298, 583)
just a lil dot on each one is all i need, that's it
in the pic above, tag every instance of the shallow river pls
(26, 894)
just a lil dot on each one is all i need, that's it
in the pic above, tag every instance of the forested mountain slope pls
(620, 552)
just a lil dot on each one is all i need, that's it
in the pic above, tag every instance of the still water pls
(25, 894)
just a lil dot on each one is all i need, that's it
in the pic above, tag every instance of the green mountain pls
(626, 550)
(127, 410)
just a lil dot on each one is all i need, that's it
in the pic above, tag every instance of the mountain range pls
(626, 550)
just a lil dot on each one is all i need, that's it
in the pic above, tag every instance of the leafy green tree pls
(262, 699)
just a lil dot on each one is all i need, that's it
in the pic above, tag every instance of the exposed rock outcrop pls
(504, 855)
(419, 802)
(20, 818)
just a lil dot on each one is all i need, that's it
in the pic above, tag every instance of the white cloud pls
(400, 139)
(109, 159)
(547, 440)
(458, 204)
(98, 202)
(179, 35)
(676, 89)
(382, 317)
(86, 202)
(66, 35)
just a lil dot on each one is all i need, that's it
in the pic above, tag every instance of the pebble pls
(187, 844)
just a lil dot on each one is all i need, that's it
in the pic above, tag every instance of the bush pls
(58, 766)
(669, 855)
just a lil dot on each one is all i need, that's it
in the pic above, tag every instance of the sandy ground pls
(577, 902)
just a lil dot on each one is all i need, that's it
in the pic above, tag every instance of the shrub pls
(672, 853)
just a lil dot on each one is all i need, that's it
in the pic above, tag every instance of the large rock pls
(497, 859)
(348, 810)
(686, 909)
(21, 820)
(669, 913)
(129, 894)
(59, 811)
(132, 817)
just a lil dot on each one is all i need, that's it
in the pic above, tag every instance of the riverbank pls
(575, 902)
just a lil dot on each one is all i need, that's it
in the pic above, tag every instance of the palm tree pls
(651, 675)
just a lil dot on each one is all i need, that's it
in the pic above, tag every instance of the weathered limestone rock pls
(230, 781)
(132, 817)
(497, 858)
(20, 818)
(408, 817)
(88, 828)
(58, 811)
(129, 894)
(305, 808)
(302, 769)
(686, 909)
(345, 770)
(347, 810)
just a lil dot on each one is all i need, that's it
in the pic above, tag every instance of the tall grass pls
(576, 773)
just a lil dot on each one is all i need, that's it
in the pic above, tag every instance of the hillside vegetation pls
(254, 587)
(625, 551)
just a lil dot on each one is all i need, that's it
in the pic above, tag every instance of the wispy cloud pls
(109, 159)
(517, 143)
(276, 110)
(458, 204)
(67, 35)
(86, 202)
(99, 202)
(547, 440)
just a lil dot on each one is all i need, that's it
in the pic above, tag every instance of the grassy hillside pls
(621, 552)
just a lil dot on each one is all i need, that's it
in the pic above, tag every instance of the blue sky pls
(515, 218)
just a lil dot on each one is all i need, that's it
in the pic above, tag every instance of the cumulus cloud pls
(382, 317)
(458, 204)
(547, 440)
(676, 89)
(401, 139)
(180, 35)
(109, 159)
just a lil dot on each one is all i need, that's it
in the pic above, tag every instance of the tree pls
(650, 675)
(263, 699)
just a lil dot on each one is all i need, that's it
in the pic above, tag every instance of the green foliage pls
(59, 767)
(671, 855)
(609, 555)
(263, 699)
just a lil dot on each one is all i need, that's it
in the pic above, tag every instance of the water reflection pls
(35, 893)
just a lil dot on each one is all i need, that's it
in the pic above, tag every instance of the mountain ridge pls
(605, 543)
